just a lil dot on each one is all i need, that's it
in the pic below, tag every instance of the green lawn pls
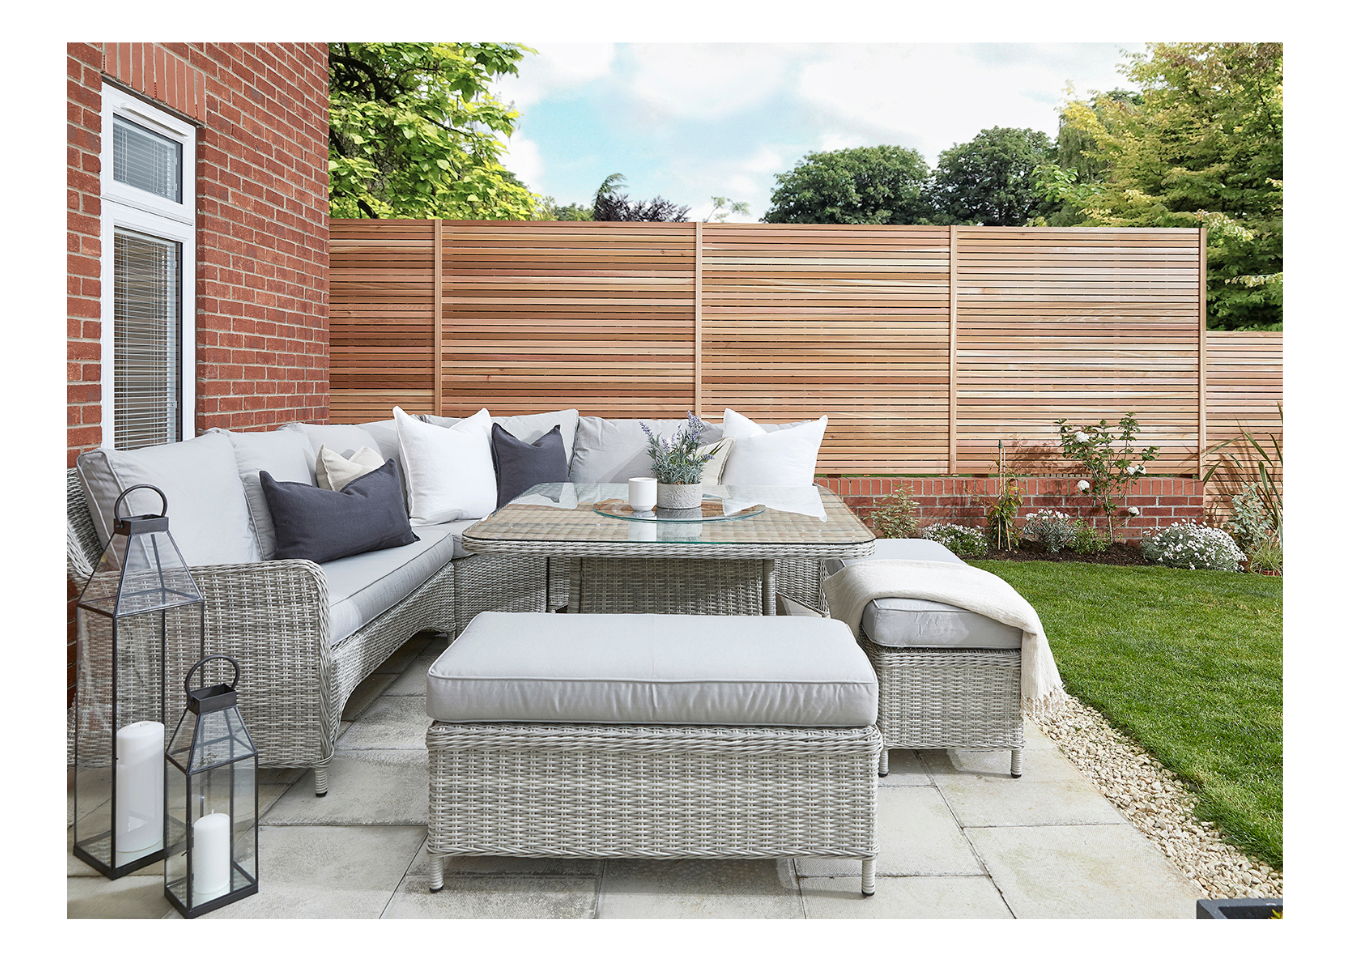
(1187, 662)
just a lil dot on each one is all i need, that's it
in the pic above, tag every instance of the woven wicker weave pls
(272, 616)
(658, 792)
(948, 699)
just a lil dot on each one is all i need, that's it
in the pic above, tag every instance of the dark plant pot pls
(1238, 909)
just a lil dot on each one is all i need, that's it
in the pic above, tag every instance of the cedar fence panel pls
(923, 360)
(1245, 391)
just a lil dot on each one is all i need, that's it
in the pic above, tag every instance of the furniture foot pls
(321, 779)
(884, 763)
(437, 873)
(869, 877)
(1017, 763)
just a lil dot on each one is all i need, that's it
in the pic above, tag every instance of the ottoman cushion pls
(654, 668)
(903, 622)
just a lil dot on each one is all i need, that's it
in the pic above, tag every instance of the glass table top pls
(564, 516)
(711, 509)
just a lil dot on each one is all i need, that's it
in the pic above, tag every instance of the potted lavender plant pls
(677, 464)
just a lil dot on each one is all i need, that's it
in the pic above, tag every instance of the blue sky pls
(689, 121)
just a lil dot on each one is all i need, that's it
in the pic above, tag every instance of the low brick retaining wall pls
(1161, 500)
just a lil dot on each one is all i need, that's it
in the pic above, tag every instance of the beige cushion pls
(712, 470)
(333, 471)
(208, 515)
(654, 668)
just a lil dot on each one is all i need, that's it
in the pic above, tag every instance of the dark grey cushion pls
(521, 465)
(322, 525)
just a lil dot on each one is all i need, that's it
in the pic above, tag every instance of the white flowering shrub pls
(962, 541)
(1190, 545)
(1050, 528)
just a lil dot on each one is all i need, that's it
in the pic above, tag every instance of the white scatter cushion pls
(781, 458)
(527, 427)
(333, 471)
(712, 470)
(286, 455)
(449, 469)
(208, 515)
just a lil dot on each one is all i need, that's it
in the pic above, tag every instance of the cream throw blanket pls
(852, 588)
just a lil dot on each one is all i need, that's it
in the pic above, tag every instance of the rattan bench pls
(652, 736)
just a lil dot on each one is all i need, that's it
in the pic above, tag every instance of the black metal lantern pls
(211, 789)
(139, 606)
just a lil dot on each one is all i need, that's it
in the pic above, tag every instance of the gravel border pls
(1153, 799)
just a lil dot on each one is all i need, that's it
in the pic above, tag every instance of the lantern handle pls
(187, 685)
(164, 501)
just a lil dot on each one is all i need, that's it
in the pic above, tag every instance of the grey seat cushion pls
(904, 622)
(362, 587)
(286, 455)
(654, 668)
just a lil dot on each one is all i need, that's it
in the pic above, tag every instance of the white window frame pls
(134, 209)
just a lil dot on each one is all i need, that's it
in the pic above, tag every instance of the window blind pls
(147, 161)
(147, 332)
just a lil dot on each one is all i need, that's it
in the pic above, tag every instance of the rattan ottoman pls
(948, 679)
(656, 736)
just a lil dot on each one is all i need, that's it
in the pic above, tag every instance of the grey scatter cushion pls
(520, 465)
(322, 525)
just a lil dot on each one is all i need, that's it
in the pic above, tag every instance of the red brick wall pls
(1161, 500)
(261, 188)
(262, 224)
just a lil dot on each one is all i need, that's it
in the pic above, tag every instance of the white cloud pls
(558, 68)
(523, 158)
(931, 96)
(708, 79)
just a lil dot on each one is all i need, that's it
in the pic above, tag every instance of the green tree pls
(991, 180)
(724, 207)
(858, 185)
(1202, 145)
(413, 132)
(548, 209)
(612, 205)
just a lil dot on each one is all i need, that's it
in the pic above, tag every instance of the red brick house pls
(196, 239)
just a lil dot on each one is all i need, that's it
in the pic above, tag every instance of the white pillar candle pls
(139, 830)
(210, 857)
(642, 493)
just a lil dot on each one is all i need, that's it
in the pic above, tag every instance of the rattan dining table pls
(745, 546)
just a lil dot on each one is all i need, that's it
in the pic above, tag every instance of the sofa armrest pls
(272, 616)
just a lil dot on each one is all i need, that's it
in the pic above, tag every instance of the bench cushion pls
(612, 451)
(362, 587)
(653, 668)
(904, 622)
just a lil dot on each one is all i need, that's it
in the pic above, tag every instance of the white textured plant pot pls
(679, 496)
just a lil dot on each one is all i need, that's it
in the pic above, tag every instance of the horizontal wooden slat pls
(799, 321)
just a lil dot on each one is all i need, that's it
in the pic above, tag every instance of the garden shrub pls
(1088, 540)
(1250, 524)
(896, 518)
(1050, 528)
(962, 541)
(1190, 545)
(1268, 557)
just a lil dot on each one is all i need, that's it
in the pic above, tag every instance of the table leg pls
(770, 590)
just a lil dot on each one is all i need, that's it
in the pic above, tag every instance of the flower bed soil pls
(1118, 554)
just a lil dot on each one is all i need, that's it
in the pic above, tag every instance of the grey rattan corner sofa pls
(307, 634)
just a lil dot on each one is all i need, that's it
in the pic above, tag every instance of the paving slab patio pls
(959, 839)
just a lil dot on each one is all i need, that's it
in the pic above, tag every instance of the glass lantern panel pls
(139, 574)
(213, 833)
(119, 737)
